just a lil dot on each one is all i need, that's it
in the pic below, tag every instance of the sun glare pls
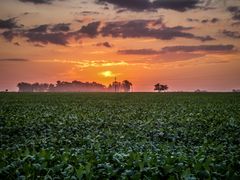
(107, 74)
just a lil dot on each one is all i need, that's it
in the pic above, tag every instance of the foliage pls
(160, 87)
(75, 86)
(119, 136)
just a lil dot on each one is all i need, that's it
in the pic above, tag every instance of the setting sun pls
(107, 74)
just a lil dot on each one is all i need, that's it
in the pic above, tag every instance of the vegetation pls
(160, 87)
(122, 135)
(75, 86)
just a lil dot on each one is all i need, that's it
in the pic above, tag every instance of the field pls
(120, 136)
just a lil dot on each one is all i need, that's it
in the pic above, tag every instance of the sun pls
(107, 74)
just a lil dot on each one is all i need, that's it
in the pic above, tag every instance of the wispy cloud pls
(14, 59)
(92, 63)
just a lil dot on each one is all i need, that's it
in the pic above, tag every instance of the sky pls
(186, 44)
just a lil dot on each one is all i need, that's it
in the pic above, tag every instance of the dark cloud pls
(213, 20)
(134, 5)
(61, 27)
(8, 23)
(14, 59)
(64, 27)
(139, 52)
(192, 20)
(175, 49)
(43, 34)
(140, 28)
(86, 13)
(38, 45)
(177, 5)
(121, 11)
(105, 44)
(205, 48)
(141, 5)
(236, 23)
(17, 43)
(38, 1)
(232, 34)
(204, 21)
(40, 29)
(46, 38)
(235, 11)
(60, 33)
(90, 29)
(9, 35)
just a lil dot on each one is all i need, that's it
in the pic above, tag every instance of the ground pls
(119, 135)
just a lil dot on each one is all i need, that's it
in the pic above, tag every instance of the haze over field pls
(186, 44)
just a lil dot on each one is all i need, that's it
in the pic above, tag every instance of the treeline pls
(75, 86)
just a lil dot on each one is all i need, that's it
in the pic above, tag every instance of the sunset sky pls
(187, 44)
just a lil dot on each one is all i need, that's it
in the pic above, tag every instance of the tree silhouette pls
(74, 86)
(126, 85)
(160, 87)
(25, 87)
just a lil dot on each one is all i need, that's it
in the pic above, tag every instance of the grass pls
(119, 136)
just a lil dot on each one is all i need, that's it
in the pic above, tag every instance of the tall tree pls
(126, 85)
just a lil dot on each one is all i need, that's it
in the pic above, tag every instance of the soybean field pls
(119, 136)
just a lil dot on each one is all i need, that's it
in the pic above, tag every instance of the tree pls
(160, 87)
(25, 87)
(126, 85)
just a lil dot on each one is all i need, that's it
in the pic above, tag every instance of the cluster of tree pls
(199, 90)
(75, 86)
(160, 87)
(236, 90)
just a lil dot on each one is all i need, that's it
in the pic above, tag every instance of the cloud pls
(213, 20)
(105, 44)
(90, 29)
(45, 38)
(39, 29)
(86, 13)
(92, 63)
(64, 27)
(176, 49)
(192, 20)
(17, 44)
(8, 35)
(175, 56)
(60, 34)
(61, 27)
(177, 5)
(14, 59)
(141, 5)
(38, 45)
(42, 34)
(38, 1)
(134, 5)
(139, 52)
(235, 11)
(8, 23)
(236, 23)
(140, 28)
(205, 48)
(232, 34)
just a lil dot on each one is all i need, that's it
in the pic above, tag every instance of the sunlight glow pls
(107, 74)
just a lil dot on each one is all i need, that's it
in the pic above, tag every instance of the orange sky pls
(188, 46)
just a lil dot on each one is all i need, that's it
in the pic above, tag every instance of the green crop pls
(120, 136)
